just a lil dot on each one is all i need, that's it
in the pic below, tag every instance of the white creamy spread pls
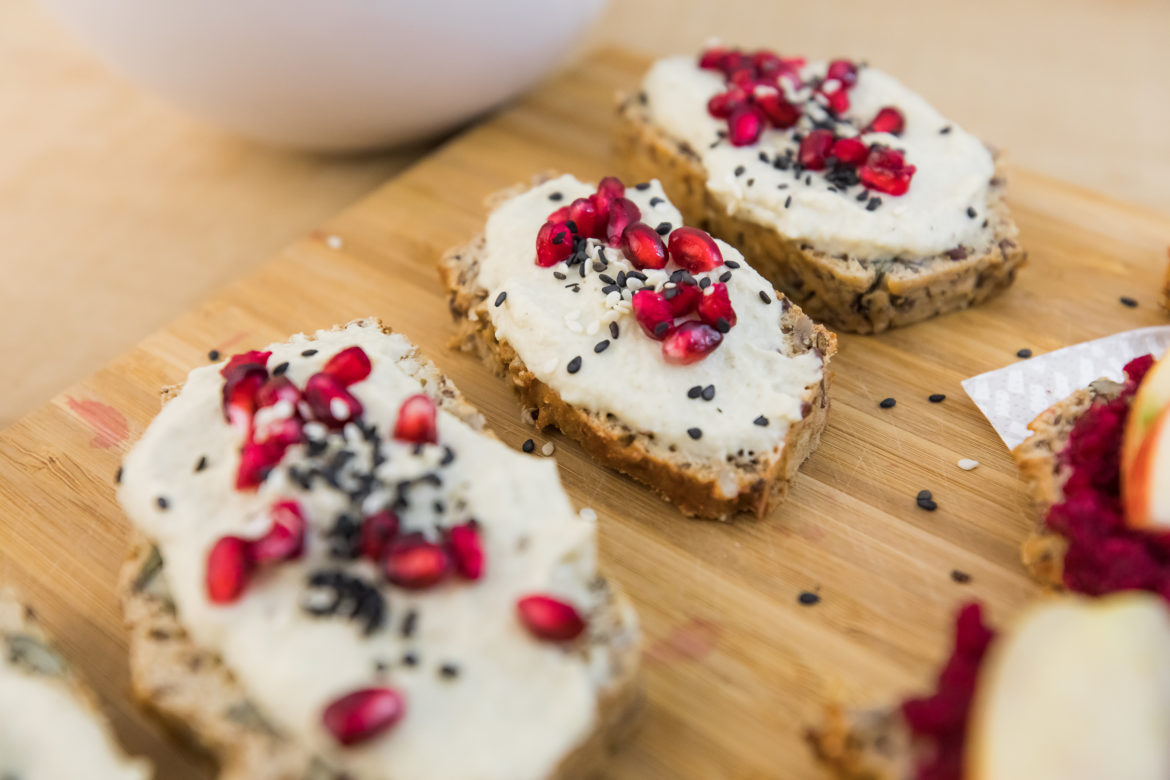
(47, 733)
(953, 168)
(548, 325)
(518, 705)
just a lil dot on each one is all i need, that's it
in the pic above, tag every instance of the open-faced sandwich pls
(847, 190)
(339, 573)
(50, 725)
(656, 346)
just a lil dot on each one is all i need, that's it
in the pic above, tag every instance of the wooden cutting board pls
(736, 667)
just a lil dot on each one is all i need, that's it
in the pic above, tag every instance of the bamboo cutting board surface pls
(735, 666)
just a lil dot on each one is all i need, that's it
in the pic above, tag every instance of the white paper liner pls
(1013, 396)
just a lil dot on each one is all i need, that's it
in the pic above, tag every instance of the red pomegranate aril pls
(850, 151)
(418, 420)
(690, 343)
(838, 101)
(886, 171)
(684, 299)
(229, 567)
(241, 395)
(285, 540)
(550, 618)
(715, 305)
(554, 242)
(363, 714)
(466, 550)
(350, 365)
(378, 531)
(779, 111)
(694, 250)
(814, 148)
(724, 104)
(888, 120)
(745, 125)
(330, 402)
(623, 212)
(843, 71)
(746, 78)
(560, 215)
(245, 361)
(765, 62)
(414, 563)
(652, 311)
(256, 460)
(585, 218)
(643, 247)
(609, 189)
(712, 59)
(282, 433)
(277, 389)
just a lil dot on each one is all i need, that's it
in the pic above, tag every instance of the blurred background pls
(119, 210)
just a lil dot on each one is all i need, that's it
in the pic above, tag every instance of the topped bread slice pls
(343, 575)
(50, 725)
(847, 190)
(657, 347)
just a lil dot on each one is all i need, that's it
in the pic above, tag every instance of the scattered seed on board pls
(528, 446)
(548, 448)
(967, 464)
(960, 577)
(1024, 353)
(808, 598)
(936, 398)
(887, 403)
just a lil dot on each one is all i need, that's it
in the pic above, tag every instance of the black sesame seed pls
(201, 463)
(410, 659)
(725, 276)
(409, 624)
(528, 446)
(118, 476)
(613, 330)
(642, 185)
(599, 266)
(929, 505)
(559, 275)
(887, 403)
(960, 577)
(739, 169)
(971, 212)
(607, 278)
(695, 433)
(500, 298)
(309, 353)
(1127, 301)
(601, 346)
(449, 671)
(788, 201)
(280, 369)
(945, 130)
(704, 283)
(610, 288)
(764, 297)
(695, 391)
(861, 196)
(574, 365)
(661, 328)
(162, 502)
(709, 392)
(731, 264)
(761, 421)
(656, 201)
(663, 228)
(213, 355)
(873, 204)
(808, 598)
(936, 398)
(1024, 353)
(554, 196)
(722, 325)
(571, 225)
(924, 495)
(751, 182)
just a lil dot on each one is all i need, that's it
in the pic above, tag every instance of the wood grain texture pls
(736, 667)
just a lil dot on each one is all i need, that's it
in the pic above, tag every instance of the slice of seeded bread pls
(707, 490)
(196, 696)
(1039, 462)
(863, 744)
(851, 294)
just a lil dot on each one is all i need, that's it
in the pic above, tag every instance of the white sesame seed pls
(966, 464)
(334, 242)
(668, 286)
(548, 448)
(588, 515)
(339, 409)
(574, 326)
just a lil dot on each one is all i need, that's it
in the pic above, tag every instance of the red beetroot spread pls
(938, 723)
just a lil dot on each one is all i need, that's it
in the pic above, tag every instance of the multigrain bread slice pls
(845, 292)
(195, 694)
(51, 724)
(752, 484)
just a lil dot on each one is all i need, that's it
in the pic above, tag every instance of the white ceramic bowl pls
(332, 74)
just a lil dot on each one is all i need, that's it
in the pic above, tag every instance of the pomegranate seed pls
(349, 366)
(282, 433)
(765, 62)
(362, 714)
(888, 120)
(690, 343)
(244, 361)
(622, 213)
(241, 395)
(885, 170)
(694, 250)
(550, 618)
(560, 215)
(466, 550)
(229, 567)
(733, 61)
(330, 402)
(256, 460)
(608, 190)
(850, 151)
(779, 111)
(586, 219)
(715, 305)
(838, 101)
(724, 104)
(684, 300)
(712, 59)
(285, 540)
(378, 530)
(843, 71)
(554, 242)
(414, 563)
(277, 389)
(791, 71)
(814, 147)
(652, 311)
(745, 125)
(417, 420)
(642, 245)
(745, 78)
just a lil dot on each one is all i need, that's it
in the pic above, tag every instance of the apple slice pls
(1080, 690)
(1145, 486)
(1151, 398)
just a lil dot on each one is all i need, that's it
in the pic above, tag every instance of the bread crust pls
(847, 293)
(711, 491)
(862, 744)
(190, 690)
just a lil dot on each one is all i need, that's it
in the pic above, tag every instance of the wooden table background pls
(117, 213)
